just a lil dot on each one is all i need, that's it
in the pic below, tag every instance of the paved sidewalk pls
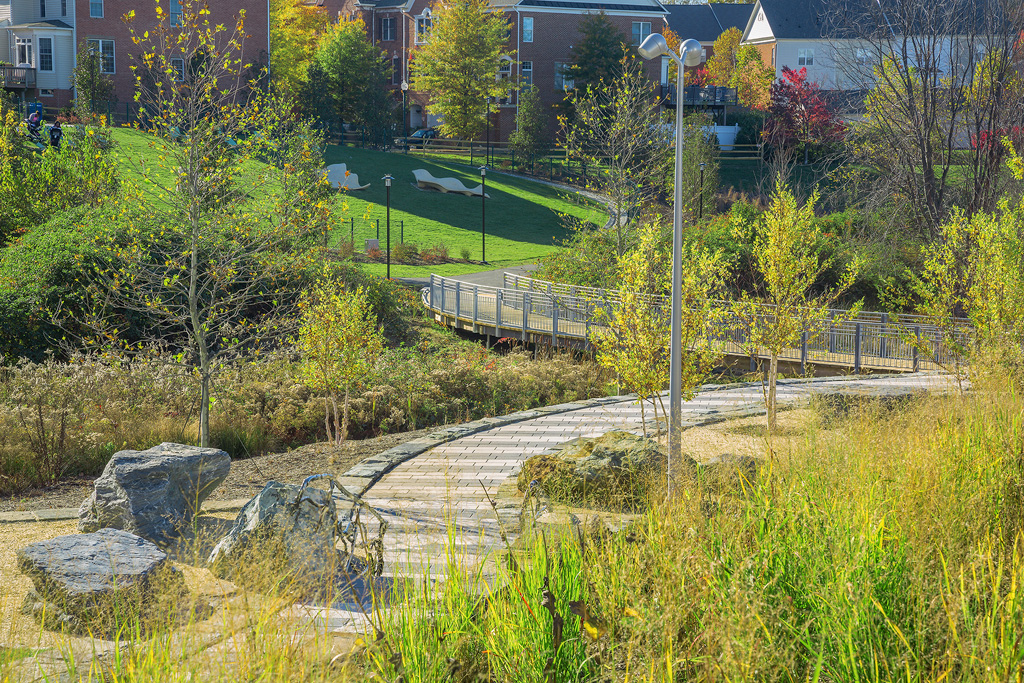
(443, 489)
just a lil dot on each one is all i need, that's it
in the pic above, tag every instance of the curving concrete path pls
(445, 488)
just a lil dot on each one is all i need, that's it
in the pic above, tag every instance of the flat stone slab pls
(92, 582)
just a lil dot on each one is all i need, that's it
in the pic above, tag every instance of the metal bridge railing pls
(526, 306)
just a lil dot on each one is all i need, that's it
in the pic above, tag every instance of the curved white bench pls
(446, 185)
(336, 175)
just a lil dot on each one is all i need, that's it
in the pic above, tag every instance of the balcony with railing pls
(17, 77)
(697, 96)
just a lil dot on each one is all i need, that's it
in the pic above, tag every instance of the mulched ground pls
(247, 476)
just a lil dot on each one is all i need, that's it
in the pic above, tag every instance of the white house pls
(37, 48)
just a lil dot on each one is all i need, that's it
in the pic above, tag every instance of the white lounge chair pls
(427, 181)
(337, 177)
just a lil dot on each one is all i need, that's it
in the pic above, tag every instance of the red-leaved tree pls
(800, 114)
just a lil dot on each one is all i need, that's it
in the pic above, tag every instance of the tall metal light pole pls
(483, 213)
(700, 209)
(487, 116)
(387, 183)
(405, 115)
(689, 55)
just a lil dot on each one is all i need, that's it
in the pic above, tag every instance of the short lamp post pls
(405, 115)
(655, 46)
(387, 183)
(483, 214)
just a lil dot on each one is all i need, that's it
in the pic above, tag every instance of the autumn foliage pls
(800, 114)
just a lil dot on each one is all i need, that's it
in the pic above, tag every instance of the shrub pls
(405, 252)
(374, 253)
(464, 253)
(435, 254)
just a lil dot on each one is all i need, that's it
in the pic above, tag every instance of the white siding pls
(760, 29)
(823, 70)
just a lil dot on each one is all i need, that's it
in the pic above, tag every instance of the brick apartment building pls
(40, 41)
(541, 38)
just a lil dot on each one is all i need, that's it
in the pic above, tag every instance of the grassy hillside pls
(523, 216)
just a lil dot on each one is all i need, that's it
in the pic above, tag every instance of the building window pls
(175, 12)
(526, 70)
(105, 50)
(45, 92)
(865, 57)
(641, 29)
(805, 57)
(63, 8)
(387, 28)
(396, 70)
(46, 54)
(96, 9)
(527, 29)
(178, 66)
(703, 54)
(42, 8)
(775, 49)
(23, 47)
(422, 28)
(562, 80)
(504, 73)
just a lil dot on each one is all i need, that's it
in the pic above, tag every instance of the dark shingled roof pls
(705, 23)
(795, 19)
(573, 4)
(44, 23)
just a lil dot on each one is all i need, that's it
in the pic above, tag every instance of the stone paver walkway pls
(443, 490)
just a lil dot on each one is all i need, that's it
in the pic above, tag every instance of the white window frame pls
(396, 69)
(93, 4)
(175, 14)
(527, 29)
(392, 32)
(179, 73)
(526, 71)
(865, 56)
(39, 57)
(805, 56)
(97, 44)
(638, 29)
(19, 43)
(562, 82)
(423, 24)
(703, 55)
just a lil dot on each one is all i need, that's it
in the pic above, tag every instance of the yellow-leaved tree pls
(632, 333)
(788, 261)
(339, 340)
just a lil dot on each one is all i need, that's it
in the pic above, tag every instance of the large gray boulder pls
(154, 493)
(97, 582)
(614, 470)
(286, 538)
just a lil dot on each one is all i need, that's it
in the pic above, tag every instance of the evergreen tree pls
(90, 83)
(459, 64)
(530, 138)
(315, 98)
(597, 56)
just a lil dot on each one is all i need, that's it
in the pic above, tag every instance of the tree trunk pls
(204, 407)
(344, 419)
(773, 376)
(327, 418)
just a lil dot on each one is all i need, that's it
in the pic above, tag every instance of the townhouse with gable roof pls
(40, 41)
(542, 34)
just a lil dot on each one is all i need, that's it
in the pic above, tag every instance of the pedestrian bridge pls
(540, 312)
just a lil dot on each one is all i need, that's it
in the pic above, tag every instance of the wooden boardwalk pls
(539, 312)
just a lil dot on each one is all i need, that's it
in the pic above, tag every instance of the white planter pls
(726, 136)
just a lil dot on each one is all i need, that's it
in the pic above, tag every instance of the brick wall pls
(113, 27)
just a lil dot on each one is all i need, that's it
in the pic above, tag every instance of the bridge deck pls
(537, 314)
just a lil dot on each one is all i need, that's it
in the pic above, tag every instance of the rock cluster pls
(610, 471)
(153, 493)
(97, 582)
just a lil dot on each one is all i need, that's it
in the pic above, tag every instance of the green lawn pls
(522, 216)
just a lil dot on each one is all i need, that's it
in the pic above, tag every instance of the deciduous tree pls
(93, 87)
(722, 64)
(213, 243)
(339, 340)
(752, 79)
(459, 65)
(788, 262)
(800, 114)
(618, 133)
(295, 28)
